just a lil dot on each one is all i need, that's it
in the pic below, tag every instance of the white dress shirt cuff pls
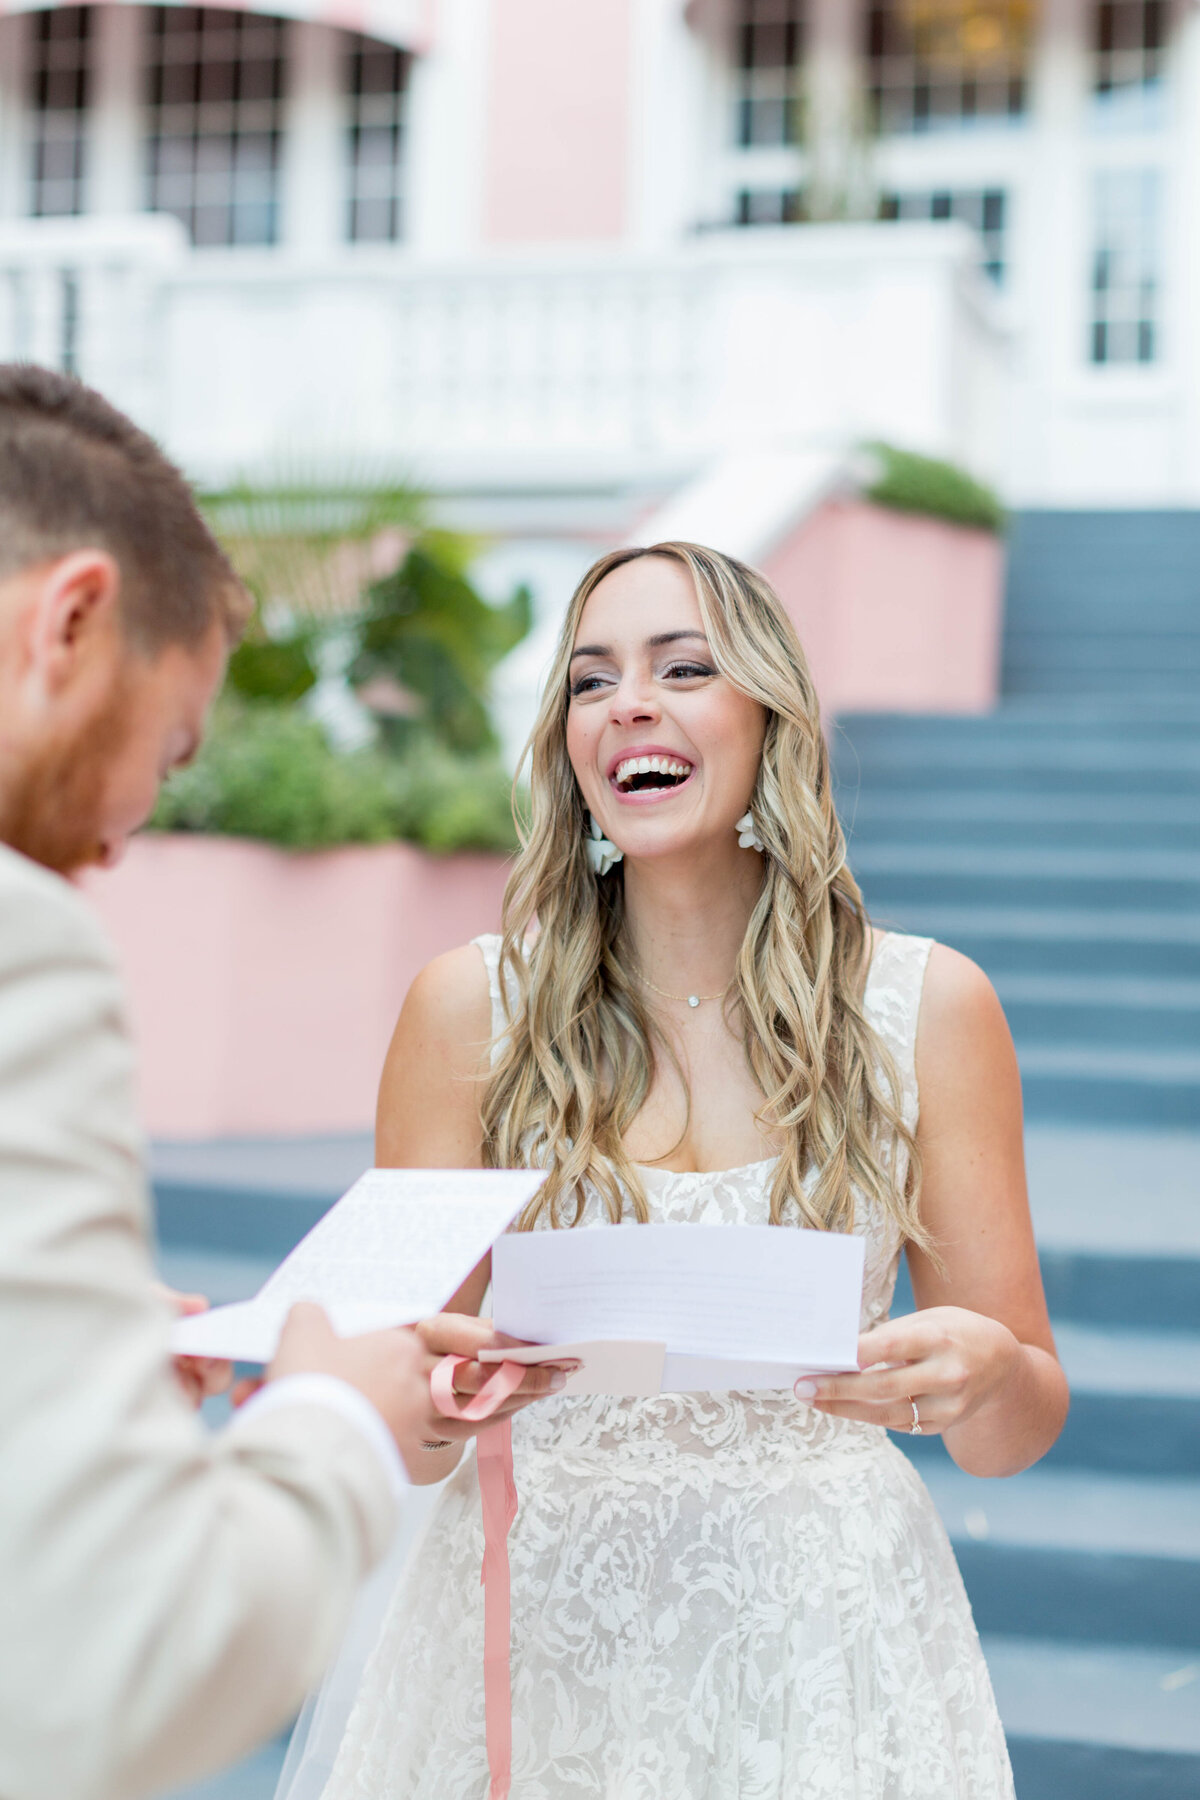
(338, 1396)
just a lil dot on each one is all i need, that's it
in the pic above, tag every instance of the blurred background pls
(435, 300)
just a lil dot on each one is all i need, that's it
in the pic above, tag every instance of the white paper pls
(394, 1249)
(737, 1306)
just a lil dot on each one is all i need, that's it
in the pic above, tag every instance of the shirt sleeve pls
(347, 1402)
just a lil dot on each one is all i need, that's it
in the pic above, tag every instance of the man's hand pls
(199, 1376)
(392, 1369)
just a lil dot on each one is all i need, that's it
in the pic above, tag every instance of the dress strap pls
(892, 1003)
(488, 946)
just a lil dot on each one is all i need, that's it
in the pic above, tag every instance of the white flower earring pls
(602, 853)
(748, 838)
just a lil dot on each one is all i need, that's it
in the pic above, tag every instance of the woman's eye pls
(688, 671)
(585, 684)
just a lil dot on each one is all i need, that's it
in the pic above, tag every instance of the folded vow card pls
(394, 1249)
(681, 1308)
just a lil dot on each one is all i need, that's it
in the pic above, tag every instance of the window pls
(1125, 266)
(767, 54)
(985, 209)
(377, 79)
(1130, 43)
(215, 91)
(59, 81)
(768, 206)
(917, 87)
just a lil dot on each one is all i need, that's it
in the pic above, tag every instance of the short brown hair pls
(75, 472)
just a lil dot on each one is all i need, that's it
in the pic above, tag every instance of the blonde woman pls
(717, 1596)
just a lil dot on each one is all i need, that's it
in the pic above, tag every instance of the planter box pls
(264, 985)
(898, 613)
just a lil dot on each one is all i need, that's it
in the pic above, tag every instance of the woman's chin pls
(677, 845)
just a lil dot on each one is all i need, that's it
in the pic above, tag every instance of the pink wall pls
(264, 986)
(897, 613)
(558, 121)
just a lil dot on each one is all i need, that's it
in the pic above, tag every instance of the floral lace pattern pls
(715, 1596)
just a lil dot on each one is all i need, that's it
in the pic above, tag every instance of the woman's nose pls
(633, 703)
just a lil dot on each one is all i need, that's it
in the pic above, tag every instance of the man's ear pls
(74, 614)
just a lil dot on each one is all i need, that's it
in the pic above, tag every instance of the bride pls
(728, 1596)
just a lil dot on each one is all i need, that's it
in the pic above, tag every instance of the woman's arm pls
(428, 1118)
(979, 1355)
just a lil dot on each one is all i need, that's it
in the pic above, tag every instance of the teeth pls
(651, 765)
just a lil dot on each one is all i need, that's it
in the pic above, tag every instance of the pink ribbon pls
(498, 1497)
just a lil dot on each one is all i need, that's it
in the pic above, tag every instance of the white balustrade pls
(561, 368)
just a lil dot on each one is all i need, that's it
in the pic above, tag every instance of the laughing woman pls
(729, 1596)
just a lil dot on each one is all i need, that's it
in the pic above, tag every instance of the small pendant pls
(693, 999)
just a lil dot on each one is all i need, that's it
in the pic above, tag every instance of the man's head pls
(117, 613)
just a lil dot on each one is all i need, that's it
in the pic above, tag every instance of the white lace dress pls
(715, 1596)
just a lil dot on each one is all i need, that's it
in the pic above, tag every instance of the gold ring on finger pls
(916, 1429)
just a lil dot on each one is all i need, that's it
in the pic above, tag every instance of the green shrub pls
(267, 771)
(426, 629)
(910, 483)
(450, 802)
(418, 643)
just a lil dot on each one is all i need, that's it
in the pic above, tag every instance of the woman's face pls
(664, 748)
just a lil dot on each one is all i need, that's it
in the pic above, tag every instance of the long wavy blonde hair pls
(575, 1063)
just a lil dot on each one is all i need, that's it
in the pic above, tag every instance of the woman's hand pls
(462, 1334)
(947, 1361)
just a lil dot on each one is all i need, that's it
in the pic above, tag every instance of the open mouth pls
(640, 774)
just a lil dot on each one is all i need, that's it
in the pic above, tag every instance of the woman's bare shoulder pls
(964, 1049)
(451, 996)
(957, 995)
(428, 1111)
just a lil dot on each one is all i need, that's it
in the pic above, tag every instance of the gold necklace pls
(691, 999)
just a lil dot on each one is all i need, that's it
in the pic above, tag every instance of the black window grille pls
(377, 92)
(1126, 274)
(59, 91)
(1129, 43)
(215, 87)
(913, 90)
(768, 206)
(768, 52)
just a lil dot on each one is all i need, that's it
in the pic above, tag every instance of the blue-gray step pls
(1098, 1721)
(1060, 940)
(1103, 603)
(993, 819)
(909, 875)
(1068, 1553)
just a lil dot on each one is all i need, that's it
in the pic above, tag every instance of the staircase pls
(1057, 842)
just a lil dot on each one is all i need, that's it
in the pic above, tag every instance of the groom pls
(166, 1595)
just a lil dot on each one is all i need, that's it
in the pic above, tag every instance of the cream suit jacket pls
(167, 1594)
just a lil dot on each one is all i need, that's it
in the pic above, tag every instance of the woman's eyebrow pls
(654, 643)
(673, 637)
